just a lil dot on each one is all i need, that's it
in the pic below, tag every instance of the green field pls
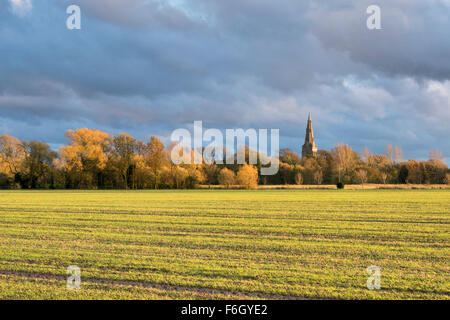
(272, 244)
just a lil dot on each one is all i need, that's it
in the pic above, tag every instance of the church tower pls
(309, 148)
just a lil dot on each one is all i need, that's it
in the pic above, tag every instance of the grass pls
(212, 244)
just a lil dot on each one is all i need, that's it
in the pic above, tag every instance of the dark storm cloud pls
(150, 66)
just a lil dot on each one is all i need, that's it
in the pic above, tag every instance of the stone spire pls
(309, 148)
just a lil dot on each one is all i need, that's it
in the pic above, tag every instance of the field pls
(210, 244)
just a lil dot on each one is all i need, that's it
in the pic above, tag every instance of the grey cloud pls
(413, 41)
(145, 67)
(142, 14)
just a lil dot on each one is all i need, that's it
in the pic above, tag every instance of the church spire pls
(309, 138)
(309, 148)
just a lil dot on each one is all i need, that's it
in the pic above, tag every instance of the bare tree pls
(436, 155)
(390, 153)
(365, 155)
(398, 154)
(394, 154)
(362, 176)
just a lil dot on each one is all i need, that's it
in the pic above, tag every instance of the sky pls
(148, 67)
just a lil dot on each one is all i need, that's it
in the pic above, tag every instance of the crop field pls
(212, 244)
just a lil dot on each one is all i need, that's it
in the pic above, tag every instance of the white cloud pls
(21, 7)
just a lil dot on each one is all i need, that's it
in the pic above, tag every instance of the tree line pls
(342, 164)
(93, 159)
